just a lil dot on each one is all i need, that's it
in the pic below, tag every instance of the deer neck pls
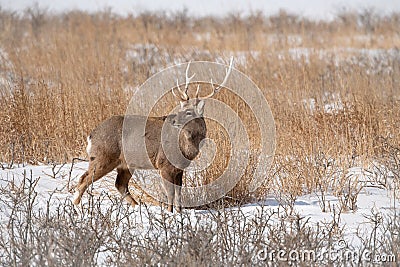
(190, 137)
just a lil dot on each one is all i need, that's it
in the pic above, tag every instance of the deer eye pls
(188, 113)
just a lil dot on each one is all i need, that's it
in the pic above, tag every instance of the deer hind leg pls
(169, 188)
(121, 183)
(97, 169)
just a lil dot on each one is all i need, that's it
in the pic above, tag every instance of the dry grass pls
(62, 75)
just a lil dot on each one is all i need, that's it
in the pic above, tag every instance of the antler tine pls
(197, 91)
(183, 94)
(179, 97)
(188, 79)
(227, 73)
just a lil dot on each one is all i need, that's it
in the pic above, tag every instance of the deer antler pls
(183, 96)
(216, 90)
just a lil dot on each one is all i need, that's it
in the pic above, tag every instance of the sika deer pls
(105, 145)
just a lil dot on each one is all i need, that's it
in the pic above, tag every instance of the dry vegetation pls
(115, 235)
(61, 75)
(334, 91)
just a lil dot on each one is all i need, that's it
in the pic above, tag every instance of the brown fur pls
(106, 151)
(170, 143)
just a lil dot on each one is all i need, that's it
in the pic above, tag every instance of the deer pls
(105, 151)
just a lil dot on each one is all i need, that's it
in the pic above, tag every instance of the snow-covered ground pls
(54, 182)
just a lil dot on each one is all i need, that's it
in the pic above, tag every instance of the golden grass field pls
(333, 87)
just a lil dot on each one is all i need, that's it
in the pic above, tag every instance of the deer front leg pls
(178, 189)
(169, 188)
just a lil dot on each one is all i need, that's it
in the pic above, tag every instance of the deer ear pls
(200, 107)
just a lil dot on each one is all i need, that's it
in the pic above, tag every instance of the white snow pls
(331, 103)
(53, 183)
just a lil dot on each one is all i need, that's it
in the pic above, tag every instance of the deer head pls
(193, 108)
